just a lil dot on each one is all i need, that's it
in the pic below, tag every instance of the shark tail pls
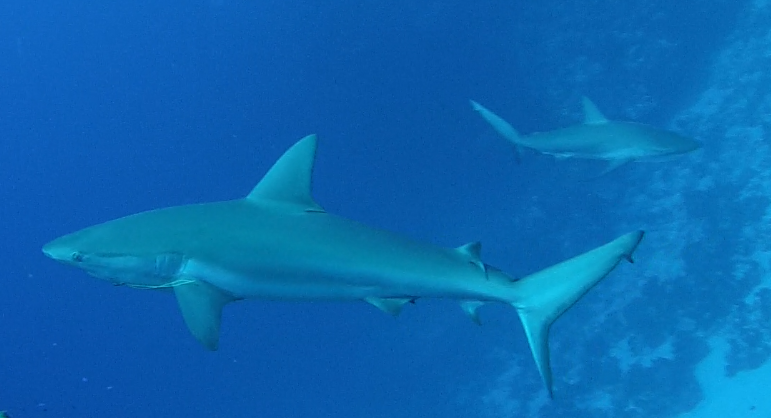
(500, 126)
(542, 297)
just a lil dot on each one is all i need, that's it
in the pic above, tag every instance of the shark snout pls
(687, 145)
(49, 251)
(682, 144)
(58, 252)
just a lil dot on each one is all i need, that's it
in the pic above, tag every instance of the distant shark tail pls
(500, 126)
(542, 297)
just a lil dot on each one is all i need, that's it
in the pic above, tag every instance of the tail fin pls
(542, 297)
(500, 126)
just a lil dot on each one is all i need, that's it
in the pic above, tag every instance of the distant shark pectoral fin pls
(612, 166)
(391, 306)
(201, 305)
(542, 297)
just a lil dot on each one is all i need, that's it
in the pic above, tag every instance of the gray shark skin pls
(596, 138)
(277, 243)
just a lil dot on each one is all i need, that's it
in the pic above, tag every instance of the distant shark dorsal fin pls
(288, 182)
(592, 115)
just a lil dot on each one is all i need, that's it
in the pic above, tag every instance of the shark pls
(278, 243)
(597, 137)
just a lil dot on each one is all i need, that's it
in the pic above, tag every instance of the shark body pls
(277, 243)
(598, 138)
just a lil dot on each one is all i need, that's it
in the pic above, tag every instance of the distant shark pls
(596, 138)
(277, 243)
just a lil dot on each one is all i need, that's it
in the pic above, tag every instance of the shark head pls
(636, 141)
(72, 249)
(96, 251)
(667, 143)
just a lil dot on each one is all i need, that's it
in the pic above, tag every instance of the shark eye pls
(77, 257)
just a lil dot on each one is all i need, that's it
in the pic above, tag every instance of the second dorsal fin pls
(472, 252)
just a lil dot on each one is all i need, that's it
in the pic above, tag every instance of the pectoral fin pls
(612, 166)
(201, 305)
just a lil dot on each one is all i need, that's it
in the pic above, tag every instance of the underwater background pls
(111, 108)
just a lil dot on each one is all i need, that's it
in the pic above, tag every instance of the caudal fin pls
(542, 297)
(500, 126)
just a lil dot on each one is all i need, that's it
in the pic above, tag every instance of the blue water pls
(110, 108)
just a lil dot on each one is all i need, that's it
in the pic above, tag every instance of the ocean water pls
(110, 108)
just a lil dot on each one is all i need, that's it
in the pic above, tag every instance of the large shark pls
(596, 138)
(277, 243)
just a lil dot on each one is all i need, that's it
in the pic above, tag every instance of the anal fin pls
(471, 307)
(201, 305)
(391, 306)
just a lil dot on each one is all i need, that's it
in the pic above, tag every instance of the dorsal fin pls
(288, 182)
(592, 115)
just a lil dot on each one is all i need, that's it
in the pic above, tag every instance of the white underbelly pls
(286, 285)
